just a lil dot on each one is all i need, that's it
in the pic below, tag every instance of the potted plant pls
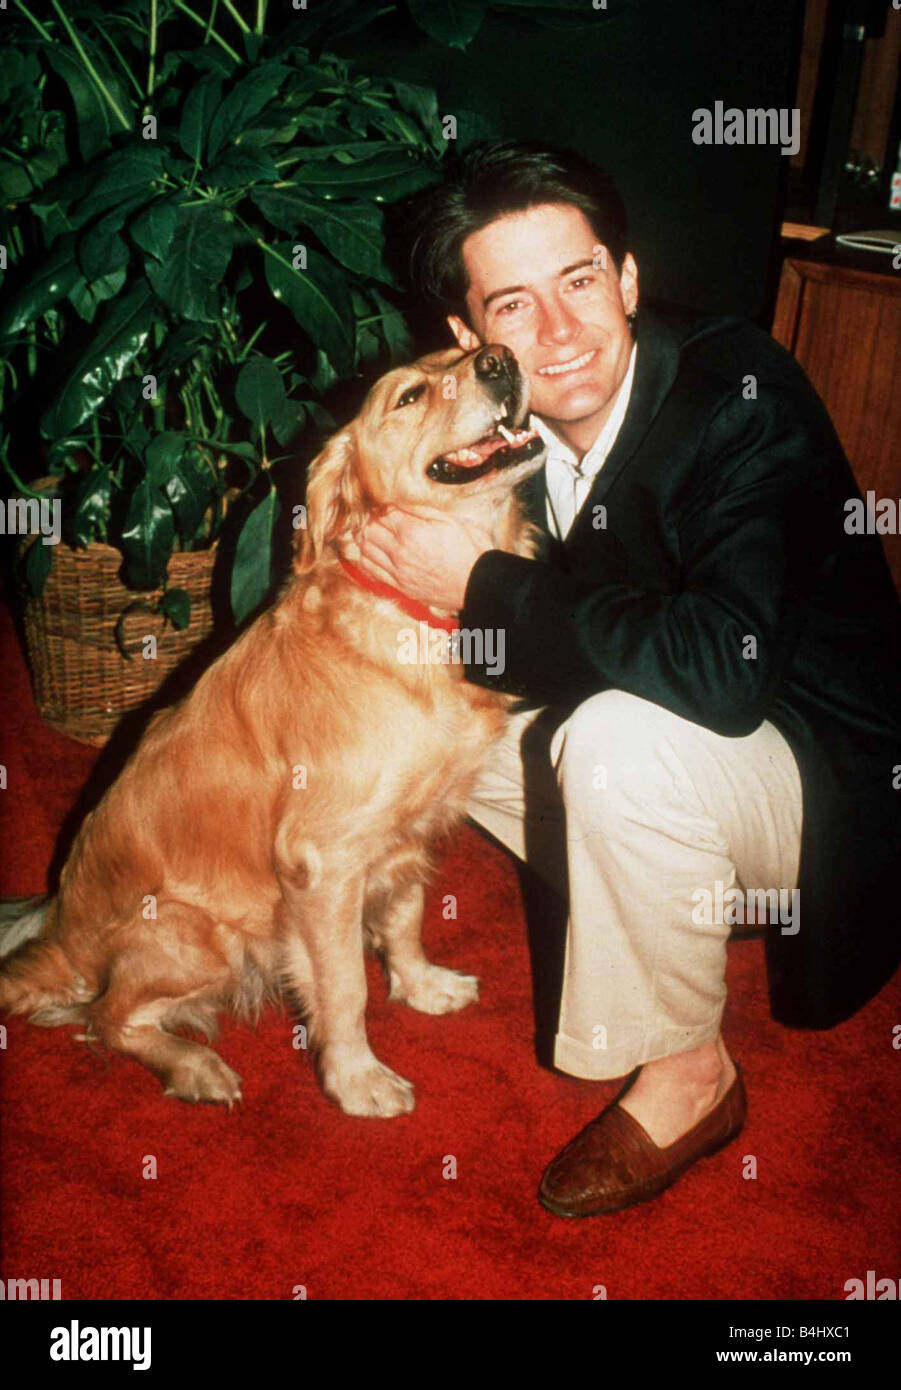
(191, 211)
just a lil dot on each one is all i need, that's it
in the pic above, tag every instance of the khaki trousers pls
(644, 819)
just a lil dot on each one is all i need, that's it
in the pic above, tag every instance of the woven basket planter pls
(82, 682)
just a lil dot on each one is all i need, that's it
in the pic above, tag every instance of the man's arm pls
(568, 637)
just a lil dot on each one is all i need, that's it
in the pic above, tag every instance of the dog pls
(284, 814)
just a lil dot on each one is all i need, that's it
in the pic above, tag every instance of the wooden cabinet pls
(843, 324)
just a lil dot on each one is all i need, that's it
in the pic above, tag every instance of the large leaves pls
(260, 394)
(188, 277)
(318, 297)
(252, 569)
(239, 167)
(154, 228)
(102, 248)
(190, 488)
(386, 177)
(86, 298)
(110, 353)
(92, 501)
(200, 105)
(95, 116)
(246, 99)
(122, 175)
(54, 278)
(147, 535)
(454, 22)
(351, 232)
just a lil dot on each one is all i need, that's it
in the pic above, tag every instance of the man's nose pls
(556, 324)
(495, 362)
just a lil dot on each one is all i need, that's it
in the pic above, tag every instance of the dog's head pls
(437, 433)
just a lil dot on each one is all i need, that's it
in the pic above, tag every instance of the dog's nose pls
(493, 362)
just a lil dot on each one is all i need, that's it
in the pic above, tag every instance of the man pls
(709, 662)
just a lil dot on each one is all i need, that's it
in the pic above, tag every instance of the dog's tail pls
(36, 976)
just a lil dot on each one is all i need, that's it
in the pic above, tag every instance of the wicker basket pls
(82, 682)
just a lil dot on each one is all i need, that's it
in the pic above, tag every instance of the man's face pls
(541, 283)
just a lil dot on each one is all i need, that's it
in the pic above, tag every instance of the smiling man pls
(707, 664)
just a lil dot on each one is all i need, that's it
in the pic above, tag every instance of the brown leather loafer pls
(614, 1163)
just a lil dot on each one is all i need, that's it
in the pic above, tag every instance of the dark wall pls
(621, 88)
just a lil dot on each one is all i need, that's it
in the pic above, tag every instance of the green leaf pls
(111, 352)
(154, 228)
(55, 278)
(352, 233)
(123, 174)
(102, 248)
(200, 106)
(239, 167)
(290, 422)
(348, 150)
(246, 100)
(421, 102)
(86, 298)
(95, 119)
(252, 568)
(176, 605)
(190, 490)
(92, 501)
(38, 563)
(321, 418)
(162, 455)
(188, 278)
(260, 391)
(324, 377)
(394, 329)
(387, 177)
(454, 22)
(319, 299)
(15, 183)
(147, 535)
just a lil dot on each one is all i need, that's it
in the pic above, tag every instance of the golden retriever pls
(280, 817)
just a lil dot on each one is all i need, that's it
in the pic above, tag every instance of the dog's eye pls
(411, 394)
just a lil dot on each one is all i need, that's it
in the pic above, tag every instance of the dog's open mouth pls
(501, 449)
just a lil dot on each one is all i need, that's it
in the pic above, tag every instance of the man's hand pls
(426, 554)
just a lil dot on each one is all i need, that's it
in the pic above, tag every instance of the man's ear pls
(463, 333)
(628, 283)
(334, 500)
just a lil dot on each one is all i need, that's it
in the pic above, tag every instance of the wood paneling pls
(844, 327)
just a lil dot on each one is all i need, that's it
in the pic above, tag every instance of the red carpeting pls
(287, 1191)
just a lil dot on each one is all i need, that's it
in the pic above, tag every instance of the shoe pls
(614, 1163)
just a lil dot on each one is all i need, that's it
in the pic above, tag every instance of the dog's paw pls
(369, 1089)
(435, 990)
(204, 1076)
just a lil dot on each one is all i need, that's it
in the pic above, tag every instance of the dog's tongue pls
(484, 448)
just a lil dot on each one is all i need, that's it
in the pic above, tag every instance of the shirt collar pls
(558, 451)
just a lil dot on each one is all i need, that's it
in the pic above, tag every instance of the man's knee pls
(614, 743)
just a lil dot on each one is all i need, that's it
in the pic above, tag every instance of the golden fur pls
(262, 885)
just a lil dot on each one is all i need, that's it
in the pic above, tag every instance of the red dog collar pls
(411, 606)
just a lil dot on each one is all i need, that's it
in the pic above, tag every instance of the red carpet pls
(288, 1191)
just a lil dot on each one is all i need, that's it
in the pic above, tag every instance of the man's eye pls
(508, 308)
(411, 394)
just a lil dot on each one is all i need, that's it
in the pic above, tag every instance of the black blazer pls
(725, 519)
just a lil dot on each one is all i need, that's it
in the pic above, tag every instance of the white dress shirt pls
(568, 480)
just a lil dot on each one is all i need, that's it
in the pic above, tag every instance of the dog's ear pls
(334, 500)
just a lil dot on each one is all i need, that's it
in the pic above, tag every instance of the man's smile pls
(574, 364)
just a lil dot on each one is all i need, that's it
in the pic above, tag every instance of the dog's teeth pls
(511, 439)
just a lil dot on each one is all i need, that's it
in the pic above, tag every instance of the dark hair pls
(490, 180)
